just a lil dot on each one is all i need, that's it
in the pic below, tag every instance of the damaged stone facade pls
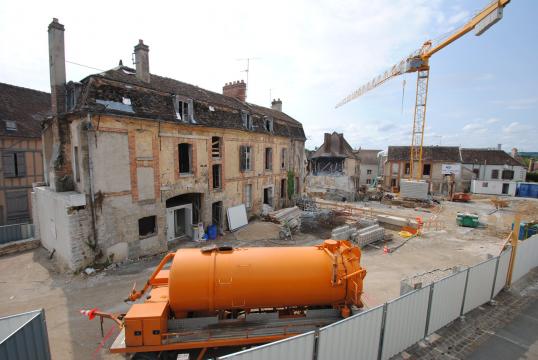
(333, 170)
(153, 156)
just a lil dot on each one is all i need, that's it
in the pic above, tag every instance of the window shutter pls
(242, 158)
(244, 118)
(8, 164)
(191, 111)
(21, 164)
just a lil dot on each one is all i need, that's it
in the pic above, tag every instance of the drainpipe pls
(90, 172)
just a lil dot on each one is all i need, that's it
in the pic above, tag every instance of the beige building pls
(137, 159)
(21, 113)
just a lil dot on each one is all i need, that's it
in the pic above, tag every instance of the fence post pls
(316, 344)
(515, 240)
(464, 291)
(427, 326)
(495, 277)
(382, 335)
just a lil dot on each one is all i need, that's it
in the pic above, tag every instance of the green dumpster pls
(467, 220)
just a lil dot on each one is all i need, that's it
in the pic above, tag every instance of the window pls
(283, 184)
(484, 184)
(147, 226)
(268, 123)
(407, 168)
(10, 125)
(185, 158)
(494, 174)
(76, 163)
(184, 109)
(369, 172)
(247, 120)
(245, 158)
(393, 182)
(14, 164)
(216, 176)
(215, 147)
(248, 196)
(476, 173)
(284, 158)
(268, 159)
(368, 181)
(507, 174)
(426, 169)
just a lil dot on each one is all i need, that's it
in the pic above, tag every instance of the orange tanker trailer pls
(213, 297)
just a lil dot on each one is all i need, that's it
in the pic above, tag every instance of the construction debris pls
(288, 217)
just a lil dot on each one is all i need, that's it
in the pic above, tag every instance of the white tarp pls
(237, 217)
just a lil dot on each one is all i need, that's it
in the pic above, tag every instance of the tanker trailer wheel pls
(146, 356)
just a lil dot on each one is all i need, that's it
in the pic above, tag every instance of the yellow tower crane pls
(418, 62)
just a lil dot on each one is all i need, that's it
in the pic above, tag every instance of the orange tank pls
(271, 277)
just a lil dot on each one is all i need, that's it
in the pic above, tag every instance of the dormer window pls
(247, 120)
(268, 123)
(10, 125)
(184, 109)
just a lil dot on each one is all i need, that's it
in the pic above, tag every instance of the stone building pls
(334, 170)
(437, 163)
(21, 113)
(369, 166)
(134, 159)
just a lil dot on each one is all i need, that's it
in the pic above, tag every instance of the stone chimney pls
(514, 152)
(236, 89)
(141, 52)
(326, 142)
(276, 105)
(57, 66)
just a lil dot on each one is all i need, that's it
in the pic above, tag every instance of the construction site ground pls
(30, 280)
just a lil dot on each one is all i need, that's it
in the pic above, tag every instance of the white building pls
(495, 171)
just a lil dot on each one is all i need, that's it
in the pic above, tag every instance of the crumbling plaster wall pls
(127, 152)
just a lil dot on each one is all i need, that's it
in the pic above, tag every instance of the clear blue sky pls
(483, 90)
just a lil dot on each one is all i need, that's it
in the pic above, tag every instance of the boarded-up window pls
(14, 164)
(17, 207)
(215, 147)
(495, 174)
(268, 159)
(147, 226)
(245, 158)
(185, 158)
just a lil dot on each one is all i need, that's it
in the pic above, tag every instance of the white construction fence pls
(384, 331)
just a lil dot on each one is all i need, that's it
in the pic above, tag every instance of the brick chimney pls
(276, 105)
(236, 89)
(141, 52)
(57, 66)
(514, 152)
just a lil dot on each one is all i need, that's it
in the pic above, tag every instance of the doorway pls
(179, 222)
(268, 196)
(506, 187)
(216, 214)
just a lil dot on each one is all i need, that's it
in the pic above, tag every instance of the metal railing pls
(16, 232)
(387, 330)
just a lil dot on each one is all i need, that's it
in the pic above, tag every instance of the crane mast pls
(419, 62)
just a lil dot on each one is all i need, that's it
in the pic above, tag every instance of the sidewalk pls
(505, 330)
